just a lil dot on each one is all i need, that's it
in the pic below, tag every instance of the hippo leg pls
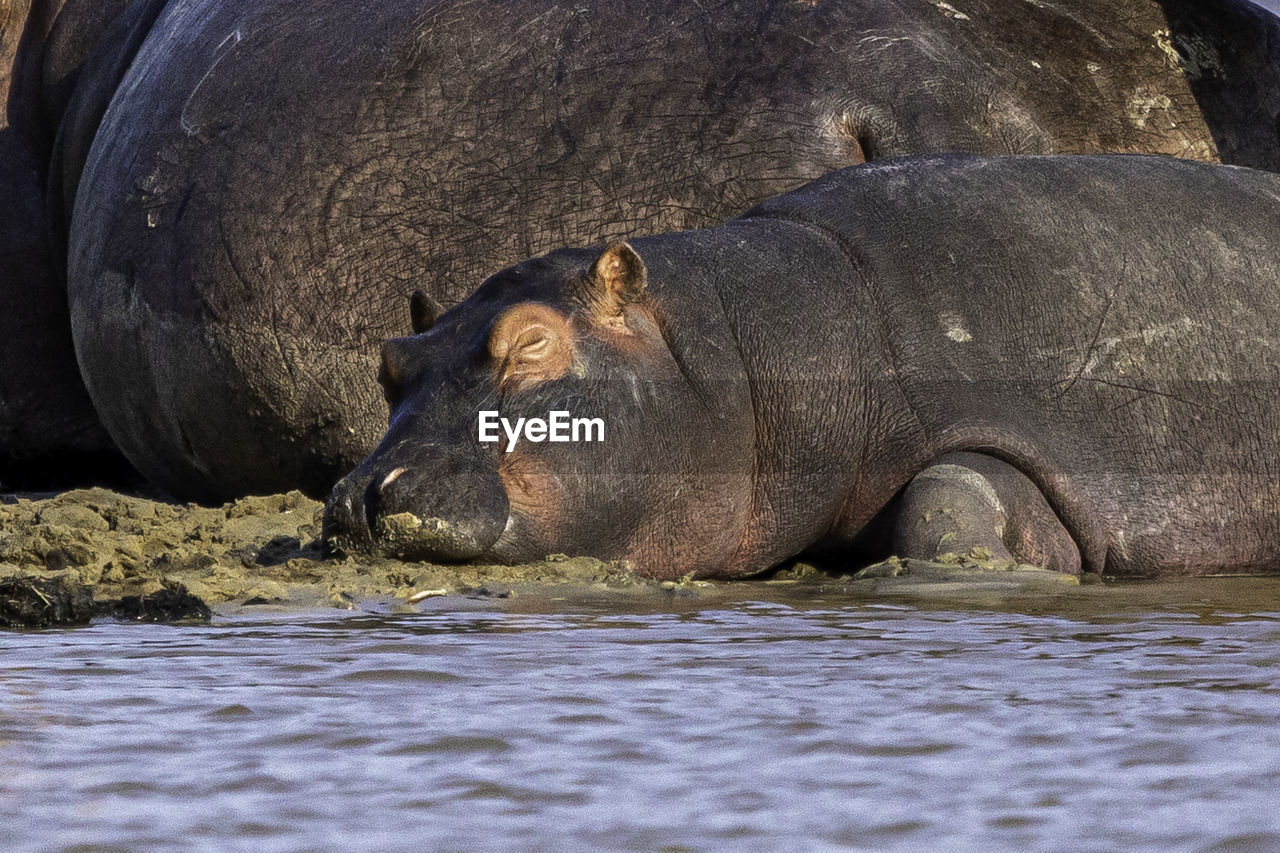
(968, 514)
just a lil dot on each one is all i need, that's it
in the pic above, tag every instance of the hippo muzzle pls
(430, 508)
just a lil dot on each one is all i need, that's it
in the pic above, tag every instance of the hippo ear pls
(617, 279)
(530, 343)
(423, 312)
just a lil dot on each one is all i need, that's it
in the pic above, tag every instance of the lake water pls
(768, 718)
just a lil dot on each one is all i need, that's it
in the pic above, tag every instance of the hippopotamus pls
(251, 188)
(1067, 363)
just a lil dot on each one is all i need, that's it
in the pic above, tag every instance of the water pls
(1121, 719)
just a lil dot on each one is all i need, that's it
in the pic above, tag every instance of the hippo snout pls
(433, 513)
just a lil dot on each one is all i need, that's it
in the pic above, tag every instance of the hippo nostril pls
(345, 523)
(372, 507)
(391, 478)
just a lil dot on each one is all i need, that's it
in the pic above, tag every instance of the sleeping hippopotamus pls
(267, 181)
(1071, 363)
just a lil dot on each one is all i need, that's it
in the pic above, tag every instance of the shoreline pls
(262, 554)
(256, 550)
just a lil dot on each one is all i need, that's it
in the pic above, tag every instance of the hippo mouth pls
(405, 536)
(406, 516)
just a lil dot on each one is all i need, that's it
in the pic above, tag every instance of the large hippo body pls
(269, 181)
(1071, 362)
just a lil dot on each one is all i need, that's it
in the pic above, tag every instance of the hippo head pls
(545, 414)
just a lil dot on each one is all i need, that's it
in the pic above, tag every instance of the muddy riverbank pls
(264, 552)
(254, 551)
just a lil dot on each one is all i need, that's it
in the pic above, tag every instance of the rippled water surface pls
(1121, 719)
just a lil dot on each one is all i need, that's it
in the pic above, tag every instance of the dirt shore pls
(264, 552)
(257, 550)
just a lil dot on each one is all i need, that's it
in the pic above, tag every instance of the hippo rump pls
(1071, 363)
(268, 182)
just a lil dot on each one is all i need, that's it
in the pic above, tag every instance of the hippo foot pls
(974, 519)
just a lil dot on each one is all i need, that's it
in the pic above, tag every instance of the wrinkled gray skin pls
(1070, 362)
(271, 179)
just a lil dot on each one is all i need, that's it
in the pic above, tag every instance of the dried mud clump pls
(255, 551)
(27, 602)
(127, 546)
(36, 602)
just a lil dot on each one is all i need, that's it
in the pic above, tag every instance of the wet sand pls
(255, 551)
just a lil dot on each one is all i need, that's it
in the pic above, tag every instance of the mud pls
(28, 601)
(254, 551)
(131, 556)
(972, 572)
